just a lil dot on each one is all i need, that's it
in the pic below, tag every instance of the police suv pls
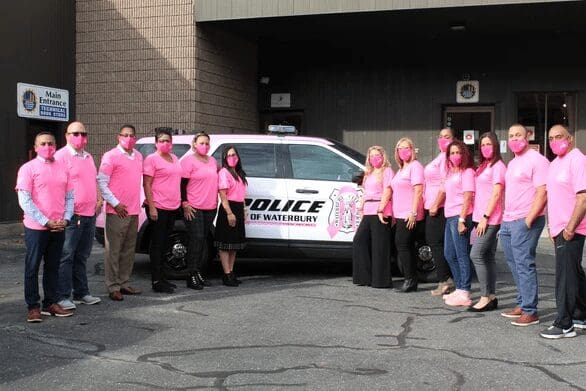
(301, 200)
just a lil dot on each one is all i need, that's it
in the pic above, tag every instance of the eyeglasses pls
(127, 135)
(77, 134)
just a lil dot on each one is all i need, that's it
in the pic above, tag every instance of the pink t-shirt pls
(402, 185)
(125, 174)
(48, 183)
(458, 182)
(566, 177)
(435, 173)
(82, 172)
(202, 187)
(235, 189)
(166, 180)
(524, 174)
(490, 176)
(373, 192)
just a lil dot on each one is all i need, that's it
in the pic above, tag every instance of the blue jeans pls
(519, 245)
(41, 246)
(457, 252)
(79, 238)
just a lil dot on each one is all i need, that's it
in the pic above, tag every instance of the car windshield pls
(146, 149)
(346, 150)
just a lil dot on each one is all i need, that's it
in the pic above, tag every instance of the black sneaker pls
(202, 280)
(194, 283)
(554, 332)
(168, 283)
(162, 288)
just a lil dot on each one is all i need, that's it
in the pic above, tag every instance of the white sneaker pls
(87, 299)
(67, 304)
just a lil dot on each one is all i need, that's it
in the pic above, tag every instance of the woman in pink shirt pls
(199, 194)
(487, 216)
(459, 188)
(435, 221)
(162, 184)
(230, 234)
(407, 186)
(371, 248)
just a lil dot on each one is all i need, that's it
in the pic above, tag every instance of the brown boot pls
(443, 288)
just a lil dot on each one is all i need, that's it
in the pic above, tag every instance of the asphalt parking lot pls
(287, 327)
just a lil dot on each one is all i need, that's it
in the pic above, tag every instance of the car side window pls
(258, 160)
(319, 163)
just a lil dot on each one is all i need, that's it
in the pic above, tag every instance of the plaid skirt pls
(230, 238)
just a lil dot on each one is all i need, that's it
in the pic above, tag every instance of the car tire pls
(175, 258)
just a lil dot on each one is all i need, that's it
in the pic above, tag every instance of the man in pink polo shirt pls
(566, 195)
(523, 221)
(79, 234)
(119, 180)
(45, 194)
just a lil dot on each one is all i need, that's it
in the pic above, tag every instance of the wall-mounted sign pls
(41, 102)
(470, 136)
(281, 100)
(467, 91)
(503, 146)
(530, 133)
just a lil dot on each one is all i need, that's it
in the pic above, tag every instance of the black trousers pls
(161, 229)
(198, 230)
(434, 236)
(405, 243)
(570, 281)
(371, 253)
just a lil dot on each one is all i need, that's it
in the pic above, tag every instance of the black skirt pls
(230, 238)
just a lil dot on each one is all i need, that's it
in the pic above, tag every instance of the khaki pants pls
(120, 244)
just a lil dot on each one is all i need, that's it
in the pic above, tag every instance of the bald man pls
(566, 199)
(79, 234)
(523, 221)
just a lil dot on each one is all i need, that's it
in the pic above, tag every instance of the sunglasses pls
(77, 134)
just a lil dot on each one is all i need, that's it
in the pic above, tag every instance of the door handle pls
(306, 191)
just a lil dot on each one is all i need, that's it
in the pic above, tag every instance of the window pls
(318, 163)
(258, 160)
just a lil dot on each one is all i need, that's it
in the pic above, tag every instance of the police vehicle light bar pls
(282, 129)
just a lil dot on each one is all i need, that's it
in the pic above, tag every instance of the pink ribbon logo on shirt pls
(344, 215)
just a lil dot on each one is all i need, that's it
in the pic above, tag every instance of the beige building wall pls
(146, 63)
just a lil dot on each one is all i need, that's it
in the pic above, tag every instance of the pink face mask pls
(456, 160)
(202, 149)
(46, 151)
(164, 147)
(78, 142)
(405, 154)
(517, 145)
(443, 143)
(127, 142)
(376, 161)
(559, 147)
(232, 161)
(487, 151)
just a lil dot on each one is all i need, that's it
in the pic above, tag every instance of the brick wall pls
(146, 63)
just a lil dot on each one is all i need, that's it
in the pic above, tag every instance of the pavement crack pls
(325, 298)
(181, 308)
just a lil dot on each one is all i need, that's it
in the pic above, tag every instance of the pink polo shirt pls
(435, 173)
(166, 180)
(373, 191)
(82, 172)
(485, 181)
(524, 174)
(458, 182)
(125, 172)
(402, 184)
(48, 183)
(202, 187)
(566, 177)
(235, 189)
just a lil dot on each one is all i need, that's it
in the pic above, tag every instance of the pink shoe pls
(460, 300)
(453, 294)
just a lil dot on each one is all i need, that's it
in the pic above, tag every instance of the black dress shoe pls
(202, 280)
(228, 280)
(194, 283)
(168, 283)
(235, 278)
(491, 306)
(162, 288)
(409, 285)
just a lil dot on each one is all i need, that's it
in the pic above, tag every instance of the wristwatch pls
(486, 216)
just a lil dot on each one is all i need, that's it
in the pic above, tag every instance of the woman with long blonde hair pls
(371, 264)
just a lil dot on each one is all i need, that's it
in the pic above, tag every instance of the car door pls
(321, 193)
(266, 191)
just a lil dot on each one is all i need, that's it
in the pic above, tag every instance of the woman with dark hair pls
(371, 247)
(487, 216)
(161, 182)
(199, 194)
(459, 188)
(230, 234)
(435, 221)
